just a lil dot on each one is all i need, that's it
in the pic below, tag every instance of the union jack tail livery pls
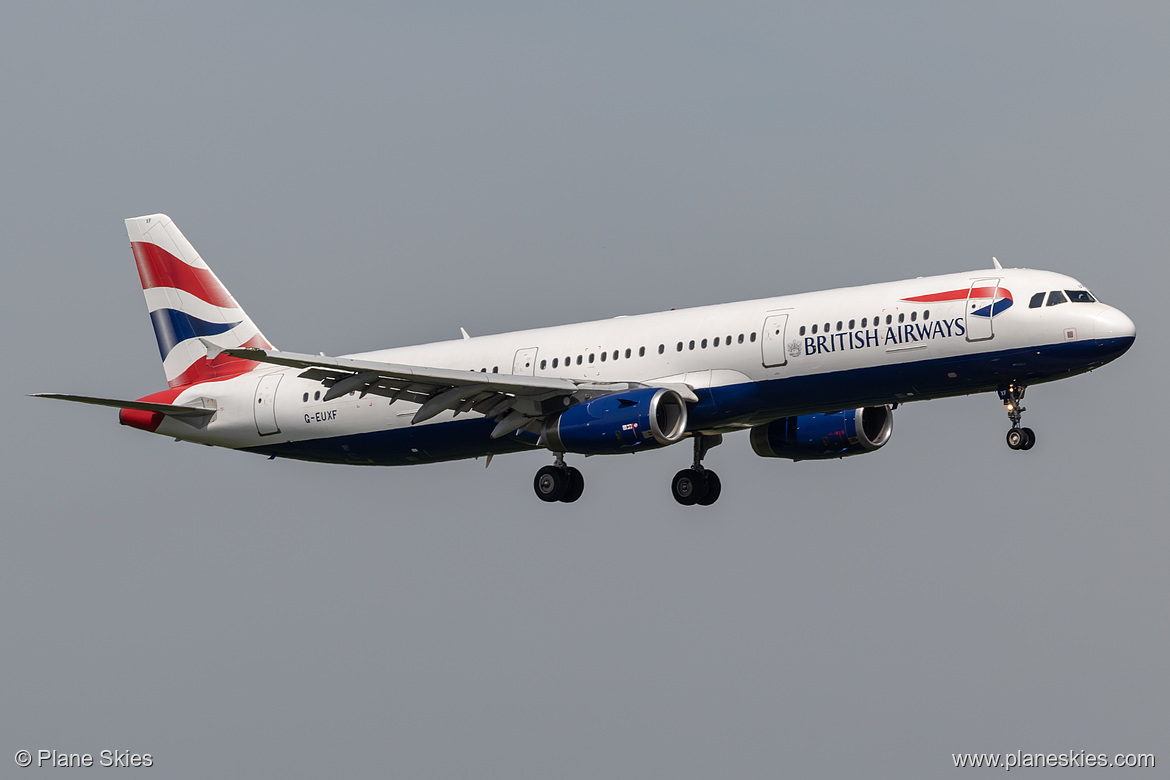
(188, 303)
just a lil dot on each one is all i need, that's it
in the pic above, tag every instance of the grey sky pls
(372, 176)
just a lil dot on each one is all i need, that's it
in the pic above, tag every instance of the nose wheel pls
(1018, 438)
(559, 482)
(697, 485)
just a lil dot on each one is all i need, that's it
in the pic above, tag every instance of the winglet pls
(465, 336)
(998, 267)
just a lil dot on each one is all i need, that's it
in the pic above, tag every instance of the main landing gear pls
(1017, 438)
(698, 485)
(559, 482)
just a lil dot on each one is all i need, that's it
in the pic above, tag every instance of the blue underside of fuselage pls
(731, 405)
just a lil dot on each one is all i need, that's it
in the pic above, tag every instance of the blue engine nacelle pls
(821, 436)
(619, 422)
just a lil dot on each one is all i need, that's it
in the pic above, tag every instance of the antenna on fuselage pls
(998, 267)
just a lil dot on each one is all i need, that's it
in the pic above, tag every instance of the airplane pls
(811, 376)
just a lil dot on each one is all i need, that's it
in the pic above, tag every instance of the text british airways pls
(904, 333)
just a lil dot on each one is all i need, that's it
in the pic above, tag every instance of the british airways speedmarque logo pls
(1000, 299)
(988, 302)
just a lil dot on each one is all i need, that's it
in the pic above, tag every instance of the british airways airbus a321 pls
(810, 376)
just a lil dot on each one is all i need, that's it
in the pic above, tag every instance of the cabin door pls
(772, 343)
(525, 362)
(980, 307)
(265, 405)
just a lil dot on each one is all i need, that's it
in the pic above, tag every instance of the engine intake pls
(619, 422)
(822, 436)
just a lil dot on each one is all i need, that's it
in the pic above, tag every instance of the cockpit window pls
(1037, 301)
(1055, 297)
(1080, 296)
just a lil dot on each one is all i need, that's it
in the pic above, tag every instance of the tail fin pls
(186, 303)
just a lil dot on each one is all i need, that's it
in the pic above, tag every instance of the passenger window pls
(603, 355)
(827, 328)
(495, 369)
(703, 343)
(753, 338)
(641, 352)
(661, 348)
(715, 343)
(913, 316)
(852, 323)
(680, 346)
(741, 338)
(691, 345)
(727, 341)
(555, 362)
(1056, 297)
(863, 321)
(802, 330)
(590, 357)
(628, 353)
(889, 318)
(902, 317)
(317, 396)
(840, 324)
(543, 363)
(926, 314)
(814, 329)
(578, 360)
(1037, 301)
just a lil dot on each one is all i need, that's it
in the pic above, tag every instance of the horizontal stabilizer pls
(171, 409)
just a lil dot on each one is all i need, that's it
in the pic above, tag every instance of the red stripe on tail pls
(222, 367)
(159, 268)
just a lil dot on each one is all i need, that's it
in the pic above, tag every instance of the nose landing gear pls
(698, 485)
(559, 482)
(1017, 438)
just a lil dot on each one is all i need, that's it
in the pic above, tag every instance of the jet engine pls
(619, 422)
(823, 436)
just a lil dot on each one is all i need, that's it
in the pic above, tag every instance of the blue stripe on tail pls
(172, 327)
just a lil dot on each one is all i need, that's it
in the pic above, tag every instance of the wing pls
(515, 402)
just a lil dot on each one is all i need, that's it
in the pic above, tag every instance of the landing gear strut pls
(559, 482)
(1017, 438)
(698, 485)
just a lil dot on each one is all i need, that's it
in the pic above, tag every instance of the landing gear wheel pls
(552, 483)
(714, 488)
(575, 487)
(1017, 438)
(689, 486)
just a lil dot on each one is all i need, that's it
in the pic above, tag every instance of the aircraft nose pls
(1113, 324)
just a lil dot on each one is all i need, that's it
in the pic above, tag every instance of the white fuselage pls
(758, 360)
